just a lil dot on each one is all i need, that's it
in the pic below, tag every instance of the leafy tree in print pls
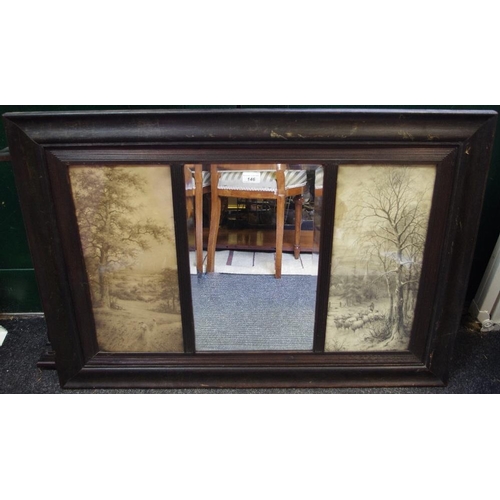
(170, 290)
(111, 229)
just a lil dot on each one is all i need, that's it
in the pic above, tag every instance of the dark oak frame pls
(43, 144)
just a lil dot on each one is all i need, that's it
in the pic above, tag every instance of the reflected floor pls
(254, 263)
(253, 312)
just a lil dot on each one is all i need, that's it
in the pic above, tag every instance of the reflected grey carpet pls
(475, 367)
(253, 312)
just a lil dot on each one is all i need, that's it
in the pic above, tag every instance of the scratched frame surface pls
(44, 145)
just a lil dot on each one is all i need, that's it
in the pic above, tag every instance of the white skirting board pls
(486, 304)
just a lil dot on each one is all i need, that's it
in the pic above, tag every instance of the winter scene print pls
(381, 219)
(126, 224)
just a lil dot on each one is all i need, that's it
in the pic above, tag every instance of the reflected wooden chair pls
(197, 184)
(318, 203)
(318, 181)
(260, 182)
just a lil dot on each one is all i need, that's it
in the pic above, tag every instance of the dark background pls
(18, 290)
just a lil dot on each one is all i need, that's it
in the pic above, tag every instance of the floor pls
(258, 262)
(253, 312)
(475, 367)
(258, 239)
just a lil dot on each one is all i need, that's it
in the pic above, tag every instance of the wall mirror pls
(254, 255)
(251, 248)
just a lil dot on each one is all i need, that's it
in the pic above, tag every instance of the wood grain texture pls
(338, 151)
(249, 125)
(325, 255)
(471, 166)
(458, 142)
(182, 249)
(34, 192)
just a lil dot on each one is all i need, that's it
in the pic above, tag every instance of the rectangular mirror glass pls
(254, 238)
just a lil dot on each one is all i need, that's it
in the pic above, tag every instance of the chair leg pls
(199, 229)
(280, 231)
(299, 201)
(189, 207)
(215, 213)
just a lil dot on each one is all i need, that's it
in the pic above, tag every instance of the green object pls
(18, 291)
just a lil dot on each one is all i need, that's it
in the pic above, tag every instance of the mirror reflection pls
(254, 239)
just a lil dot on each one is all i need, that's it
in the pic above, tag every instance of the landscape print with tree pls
(381, 219)
(126, 224)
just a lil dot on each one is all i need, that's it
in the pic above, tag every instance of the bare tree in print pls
(110, 233)
(398, 229)
(381, 219)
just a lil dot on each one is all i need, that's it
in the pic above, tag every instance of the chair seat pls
(256, 181)
(318, 178)
(205, 181)
(234, 180)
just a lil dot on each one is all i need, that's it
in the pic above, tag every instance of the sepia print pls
(126, 223)
(381, 218)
